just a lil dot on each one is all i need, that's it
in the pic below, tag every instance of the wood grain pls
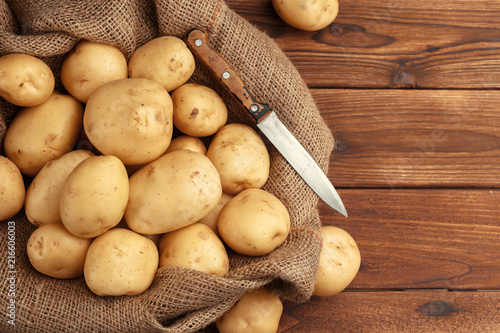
(413, 138)
(393, 43)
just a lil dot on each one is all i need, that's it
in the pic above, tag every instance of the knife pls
(266, 119)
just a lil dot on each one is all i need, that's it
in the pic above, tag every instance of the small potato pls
(44, 193)
(166, 60)
(42, 133)
(120, 262)
(198, 110)
(12, 192)
(94, 196)
(189, 143)
(241, 158)
(175, 190)
(130, 119)
(254, 222)
(54, 251)
(309, 15)
(339, 262)
(90, 65)
(211, 218)
(25, 80)
(196, 247)
(257, 311)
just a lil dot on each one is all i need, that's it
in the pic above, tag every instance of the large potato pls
(198, 110)
(166, 60)
(12, 192)
(196, 247)
(54, 251)
(309, 15)
(42, 133)
(130, 119)
(44, 193)
(90, 65)
(257, 311)
(94, 196)
(339, 261)
(241, 158)
(254, 222)
(25, 80)
(175, 190)
(120, 262)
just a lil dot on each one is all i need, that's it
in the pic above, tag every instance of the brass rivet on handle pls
(226, 75)
(198, 42)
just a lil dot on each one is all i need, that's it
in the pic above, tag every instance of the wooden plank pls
(413, 138)
(392, 43)
(423, 238)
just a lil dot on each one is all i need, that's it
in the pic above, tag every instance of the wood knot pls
(336, 29)
(439, 309)
(340, 145)
(404, 78)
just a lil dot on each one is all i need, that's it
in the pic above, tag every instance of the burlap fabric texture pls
(179, 300)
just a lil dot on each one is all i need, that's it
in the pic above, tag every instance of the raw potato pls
(120, 262)
(241, 158)
(211, 218)
(54, 251)
(339, 261)
(254, 222)
(42, 133)
(189, 143)
(94, 196)
(198, 110)
(257, 311)
(196, 247)
(166, 60)
(130, 119)
(44, 193)
(176, 190)
(12, 190)
(309, 15)
(90, 65)
(25, 80)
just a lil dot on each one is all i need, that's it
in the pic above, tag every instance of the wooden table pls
(410, 92)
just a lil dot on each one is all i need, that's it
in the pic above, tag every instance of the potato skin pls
(54, 251)
(187, 142)
(89, 65)
(94, 196)
(25, 80)
(171, 192)
(309, 15)
(44, 193)
(241, 158)
(12, 192)
(339, 261)
(42, 133)
(120, 262)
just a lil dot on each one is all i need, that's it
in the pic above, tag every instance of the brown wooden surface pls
(410, 90)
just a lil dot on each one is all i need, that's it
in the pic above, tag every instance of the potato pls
(42, 133)
(54, 251)
(166, 60)
(309, 15)
(211, 218)
(258, 311)
(44, 193)
(120, 262)
(198, 110)
(25, 80)
(254, 222)
(12, 190)
(94, 196)
(89, 65)
(176, 190)
(339, 261)
(196, 247)
(241, 158)
(130, 119)
(187, 142)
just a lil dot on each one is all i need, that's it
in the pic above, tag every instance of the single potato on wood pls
(12, 192)
(309, 15)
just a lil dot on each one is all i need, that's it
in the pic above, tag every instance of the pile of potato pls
(137, 199)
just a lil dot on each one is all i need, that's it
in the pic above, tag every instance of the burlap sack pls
(179, 300)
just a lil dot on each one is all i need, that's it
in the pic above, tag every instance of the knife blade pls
(267, 120)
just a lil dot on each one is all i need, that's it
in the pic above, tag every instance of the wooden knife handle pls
(197, 41)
